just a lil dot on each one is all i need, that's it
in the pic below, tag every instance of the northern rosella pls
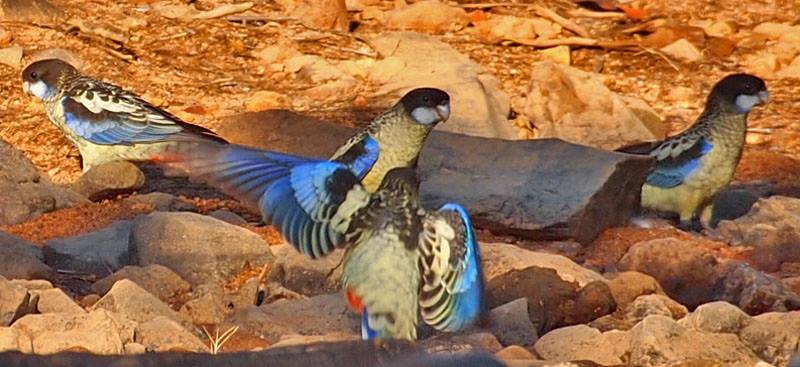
(105, 122)
(697, 164)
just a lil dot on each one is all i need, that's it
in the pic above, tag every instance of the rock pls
(206, 305)
(324, 14)
(303, 275)
(514, 353)
(717, 317)
(54, 300)
(200, 249)
(430, 16)
(762, 63)
(659, 340)
(753, 291)
(722, 28)
(26, 193)
(97, 332)
(567, 103)
(34, 11)
(133, 302)
(775, 30)
(163, 334)
(791, 71)
(772, 228)
(156, 279)
(460, 343)
(265, 100)
(163, 202)
(737, 200)
(99, 252)
(479, 107)
(135, 348)
(11, 56)
(581, 342)
(511, 325)
(654, 304)
(317, 315)
(629, 285)
(108, 180)
(558, 54)
(31, 285)
(686, 273)
(552, 302)
(20, 259)
(567, 191)
(773, 336)
(291, 340)
(14, 340)
(228, 217)
(499, 28)
(15, 302)
(499, 258)
(683, 50)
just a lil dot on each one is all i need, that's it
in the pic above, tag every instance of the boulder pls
(659, 340)
(15, 302)
(163, 334)
(100, 252)
(567, 103)
(772, 228)
(773, 336)
(12, 339)
(108, 180)
(511, 325)
(540, 189)
(323, 14)
(629, 285)
(654, 304)
(514, 354)
(20, 259)
(717, 317)
(26, 193)
(686, 272)
(134, 303)
(206, 306)
(753, 291)
(156, 279)
(430, 16)
(198, 248)
(581, 342)
(317, 315)
(500, 258)
(478, 105)
(97, 332)
(54, 300)
(304, 275)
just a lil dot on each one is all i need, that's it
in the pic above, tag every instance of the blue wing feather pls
(361, 156)
(468, 299)
(299, 196)
(673, 171)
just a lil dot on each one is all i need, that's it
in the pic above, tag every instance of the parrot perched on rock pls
(106, 123)
(694, 166)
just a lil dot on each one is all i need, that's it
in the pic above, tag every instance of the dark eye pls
(34, 75)
(425, 99)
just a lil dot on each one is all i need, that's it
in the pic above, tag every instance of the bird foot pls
(690, 226)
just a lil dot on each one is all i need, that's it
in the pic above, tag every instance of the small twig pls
(492, 5)
(660, 54)
(579, 42)
(564, 22)
(760, 130)
(216, 342)
(585, 13)
(223, 10)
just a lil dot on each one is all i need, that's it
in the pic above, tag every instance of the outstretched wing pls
(451, 297)
(677, 158)
(310, 201)
(359, 153)
(105, 114)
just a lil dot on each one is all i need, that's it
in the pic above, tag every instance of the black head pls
(404, 178)
(739, 93)
(41, 77)
(427, 106)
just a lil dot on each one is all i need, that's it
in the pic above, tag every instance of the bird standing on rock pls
(105, 122)
(693, 167)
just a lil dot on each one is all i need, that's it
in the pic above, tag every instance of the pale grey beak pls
(444, 111)
(763, 97)
(26, 87)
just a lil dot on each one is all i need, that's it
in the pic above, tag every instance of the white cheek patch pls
(425, 115)
(746, 102)
(39, 89)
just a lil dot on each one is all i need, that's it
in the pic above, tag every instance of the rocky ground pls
(123, 261)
